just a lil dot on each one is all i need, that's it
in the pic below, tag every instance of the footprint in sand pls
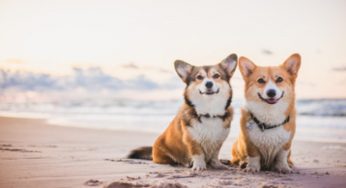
(93, 182)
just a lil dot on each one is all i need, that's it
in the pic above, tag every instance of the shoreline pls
(305, 132)
(34, 153)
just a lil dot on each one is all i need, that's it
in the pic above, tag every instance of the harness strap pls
(264, 126)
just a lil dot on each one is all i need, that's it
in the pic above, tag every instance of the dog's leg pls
(281, 164)
(197, 155)
(253, 158)
(238, 155)
(161, 157)
(254, 164)
(198, 162)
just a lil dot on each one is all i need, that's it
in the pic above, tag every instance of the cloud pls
(339, 69)
(141, 82)
(164, 70)
(130, 66)
(26, 80)
(83, 85)
(267, 52)
(91, 78)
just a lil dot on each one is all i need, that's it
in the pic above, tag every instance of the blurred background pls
(109, 64)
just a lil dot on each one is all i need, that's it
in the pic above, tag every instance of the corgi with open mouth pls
(202, 124)
(268, 120)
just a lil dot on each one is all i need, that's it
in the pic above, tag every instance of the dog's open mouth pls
(209, 92)
(271, 100)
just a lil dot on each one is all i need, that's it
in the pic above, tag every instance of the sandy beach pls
(36, 154)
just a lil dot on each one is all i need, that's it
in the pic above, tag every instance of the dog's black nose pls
(209, 85)
(271, 93)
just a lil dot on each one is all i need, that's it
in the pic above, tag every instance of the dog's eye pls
(279, 79)
(216, 76)
(261, 81)
(199, 77)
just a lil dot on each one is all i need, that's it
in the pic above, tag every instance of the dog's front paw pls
(199, 166)
(253, 165)
(198, 163)
(283, 168)
(252, 168)
(282, 165)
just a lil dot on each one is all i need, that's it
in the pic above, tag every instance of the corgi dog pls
(202, 124)
(267, 124)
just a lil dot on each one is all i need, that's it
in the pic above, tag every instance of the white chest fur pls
(210, 133)
(268, 142)
(267, 113)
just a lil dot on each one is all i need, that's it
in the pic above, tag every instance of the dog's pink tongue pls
(271, 100)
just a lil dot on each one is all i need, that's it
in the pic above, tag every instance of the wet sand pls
(35, 154)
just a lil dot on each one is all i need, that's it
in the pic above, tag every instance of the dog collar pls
(207, 115)
(264, 126)
(223, 117)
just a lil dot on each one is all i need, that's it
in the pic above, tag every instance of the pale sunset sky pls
(54, 35)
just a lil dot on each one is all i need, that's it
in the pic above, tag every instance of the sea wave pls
(306, 107)
(322, 107)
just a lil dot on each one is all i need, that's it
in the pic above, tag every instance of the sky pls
(130, 38)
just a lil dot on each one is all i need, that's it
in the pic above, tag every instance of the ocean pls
(317, 120)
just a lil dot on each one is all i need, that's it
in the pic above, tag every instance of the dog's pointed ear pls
(246, 66)
(183, 69)
(292, 64)
(229, 64)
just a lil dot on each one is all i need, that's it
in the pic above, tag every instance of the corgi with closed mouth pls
(202, 124)
(267, 124)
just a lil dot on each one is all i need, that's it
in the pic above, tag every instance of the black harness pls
(199, 116)
(264, 126)
(223, 117)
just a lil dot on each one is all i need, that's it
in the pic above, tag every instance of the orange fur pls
(197, 132)
(244, 148)
(175, 144)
